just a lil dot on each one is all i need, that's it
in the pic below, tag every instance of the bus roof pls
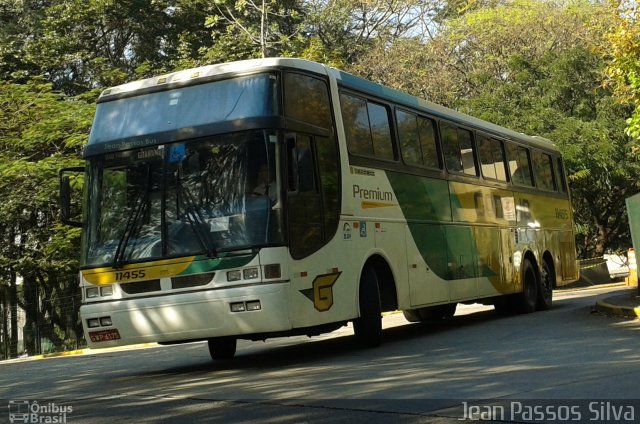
(200, 74)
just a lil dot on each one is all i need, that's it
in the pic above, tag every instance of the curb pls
(623, 311)
(87, 351)
(562, 289)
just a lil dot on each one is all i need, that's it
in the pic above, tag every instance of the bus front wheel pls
(368, 327)
(222, 348)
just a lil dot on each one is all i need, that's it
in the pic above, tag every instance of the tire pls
(439, 312)
(368, 327)
(222, 348)
(545, 288)
(412, 315)
(528, 299)
(505, 305)
(431, 313)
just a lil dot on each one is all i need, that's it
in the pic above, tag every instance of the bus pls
(279, 196)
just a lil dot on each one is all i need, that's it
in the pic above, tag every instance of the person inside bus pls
(265, 185)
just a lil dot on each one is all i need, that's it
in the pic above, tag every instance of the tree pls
(40, 132)
(244, 29)
(339, 32)
(622, 50)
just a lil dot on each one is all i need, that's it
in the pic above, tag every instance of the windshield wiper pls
(140, 207)
(195, 219)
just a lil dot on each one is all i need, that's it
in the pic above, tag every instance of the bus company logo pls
(24, 411)
(321, 291)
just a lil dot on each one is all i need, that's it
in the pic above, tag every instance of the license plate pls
(104, 335)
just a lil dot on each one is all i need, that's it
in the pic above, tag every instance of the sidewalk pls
(625, 305)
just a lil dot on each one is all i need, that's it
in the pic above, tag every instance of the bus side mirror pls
(65, 197)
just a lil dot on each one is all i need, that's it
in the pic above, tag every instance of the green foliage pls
(250, 29)
(621, 48)
(40, 132)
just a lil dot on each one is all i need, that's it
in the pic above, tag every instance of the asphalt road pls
(568, 362)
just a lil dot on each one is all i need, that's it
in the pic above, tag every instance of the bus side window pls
(458, 149)
(367, 127)
(307, 99)
(417, 139)
(561, 175)
(519, 168)
(543, 171)
(491, 158)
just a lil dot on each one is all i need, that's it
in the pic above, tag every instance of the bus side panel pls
(569, 264)
(427, 264)
(324, 285)
(461, 251)
(389, 238)
(489, 261)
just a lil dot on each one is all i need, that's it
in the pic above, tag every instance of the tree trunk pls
(31, 308)
(13, 308)
(4, 353)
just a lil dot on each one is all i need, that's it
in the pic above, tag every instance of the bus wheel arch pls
(386, 282)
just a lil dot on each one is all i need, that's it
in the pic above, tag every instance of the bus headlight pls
(106, 290)
(234, 275)
(91, 292)
(250, 273)
(93, 322)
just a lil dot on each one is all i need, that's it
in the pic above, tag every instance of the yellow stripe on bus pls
(370, 205)
(137, 272)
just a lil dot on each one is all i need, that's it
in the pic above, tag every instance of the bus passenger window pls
(356, 125)
(458, 149)
(543, 171)
(380, 131)
(409, 138)
(449, 136)
(561, 176)
(492, 159)
(427, 130)
(367, 128)
(519, 165)
(418, 140)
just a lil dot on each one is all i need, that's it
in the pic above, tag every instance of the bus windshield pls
(197, 197)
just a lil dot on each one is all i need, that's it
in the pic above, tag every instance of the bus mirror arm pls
(65, 197)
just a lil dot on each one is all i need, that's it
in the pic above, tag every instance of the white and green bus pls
(278, 197)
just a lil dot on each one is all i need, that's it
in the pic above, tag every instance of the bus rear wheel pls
(222, 348)
(545, 289)
(528, 299)
(368, 327)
